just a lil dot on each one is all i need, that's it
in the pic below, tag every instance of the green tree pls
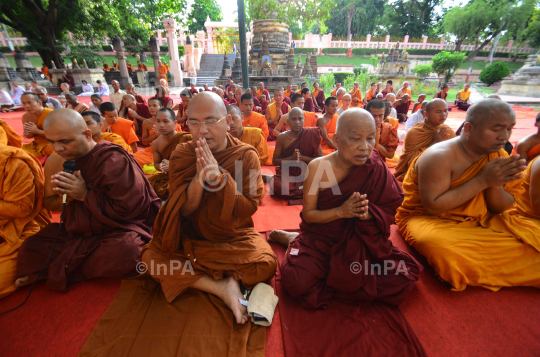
(446, 63)
(423, 70)
(355, 17)
(533, 29)
(494, 72)
(200, 11)
(415, 18)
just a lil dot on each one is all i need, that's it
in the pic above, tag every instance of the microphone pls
(69, 167)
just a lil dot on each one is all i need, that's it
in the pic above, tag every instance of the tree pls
(518, 29)
(423, 70)
(200, 11)
(415, 18)
(292, 11)
(446, 63)
(355, 17)
(494, 72)
(533, 29)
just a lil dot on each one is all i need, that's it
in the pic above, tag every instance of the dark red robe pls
(320, 100)
(142, 110)
(308, 143)
(102, 236)
(319, 263)
(309, 106)
(402, 110)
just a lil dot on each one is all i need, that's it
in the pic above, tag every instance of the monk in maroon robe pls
(109, 215)
(309, 105)
(343, 252)
(318, 97)
(402, 107)
(294, 149)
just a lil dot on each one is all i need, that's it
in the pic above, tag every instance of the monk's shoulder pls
(27, 117)
(440, 155)
(53, 164)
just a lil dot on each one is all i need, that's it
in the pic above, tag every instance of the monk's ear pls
(228, 120)
(101, 124)
(87, 133)
(467, 128)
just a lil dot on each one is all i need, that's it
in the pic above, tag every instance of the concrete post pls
(441, 46)
(424, 42)
(405, 41)
(118, 45)
(210, 42)
(154, 48)
(172, 40)
(189, 65)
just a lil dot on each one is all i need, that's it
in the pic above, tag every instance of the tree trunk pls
(459, 42)
(349, 20)
(495, 43)
(476, 46)
(486, 41)
(515, 56)
(52, 54)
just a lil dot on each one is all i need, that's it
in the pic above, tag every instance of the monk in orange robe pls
(295, 148)
(327, 124)
(420, 137)
(114, 66)
(318, 97)
(251, 118)
(457, 192)
(106, 67)
(334, 92)
(142, 67)
(356, 95)
(8, 136)
(387, 136)
(33, 125)
(129, 68)
(404, 90)
(418, 105)
(73, 103)
(529, 147)
(248, 135)
(371, 93)
(162, 71)
(123, 127)
(95, 123)
(274, 112)
(45, 71)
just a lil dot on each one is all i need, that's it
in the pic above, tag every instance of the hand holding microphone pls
(70, 183)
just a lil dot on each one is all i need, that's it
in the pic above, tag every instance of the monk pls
(294, 149)
(350, 199)
(136, 112)
(371, 93)
(528, 148)
(21, 203)
(327, 123)
(443, 94)
(247, 135)
(288, 92)
(129, 68)
(274, 112)
(221, 93)
(346, 102)
(309, 104)
(404, 90)
(231, 99)
(106, 67)
(45, 71)
(334, 92)
(423, 135)
(68, 79)
(310, 118)
(206, 231)
(387, 135)
(339, 96)
(109, 212)
(318, 97)
(462, 98)
(114, 66)
(142, 67)
(262, 91)
(302, 86)
(32, 122)
(162, 148)
(251, 118)
(192, 89)
(131, 89)
(162, 70)
(456, 195)
(162, 93)
(388, 89)
(73, 103)
(418, 104)
(387, 118)
(356, 95)
(181, 116)
(402, 107)
(95, 123)
(123, 127)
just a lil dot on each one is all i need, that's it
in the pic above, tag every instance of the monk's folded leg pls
(286, 189)
(468, 254)
(257, 272)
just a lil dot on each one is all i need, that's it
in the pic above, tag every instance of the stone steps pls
(211, 65)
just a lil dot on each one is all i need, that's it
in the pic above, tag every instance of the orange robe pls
(116, 139)
(162, 73)
(126, 129)
(21, 212)
(115, 66)
(130, 68)
(146, 157)
(80, 108)
(330, 131)
(256, 120)
(357, 95)
(8, 136)
(45, 71)
(418, 138)
(394, 122)
(310, 119)
(142, 67)
(106, 67)
(369, 95)
(388, 138)
(334, 92)
(533, 152)
(40, 146)
(461, 244)
(255, 138)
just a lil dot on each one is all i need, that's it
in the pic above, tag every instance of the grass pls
(486, 90)
(36, 60)
(481, 64)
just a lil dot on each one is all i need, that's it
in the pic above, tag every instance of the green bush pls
(422, 70)
(494, 72)
(327, 82)
(358, 70)
(90, 54)
(374, 60)
(304, 50)
(424, 88)
(339, 77)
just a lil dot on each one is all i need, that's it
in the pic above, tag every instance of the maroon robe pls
(193, 91)
(309, 106)
(402, 110)
(102, 236)
(462, 104)
(165, 101)
(142, 110)
(308, 144)
(385, 91)
(324, 256)
(287, 100)
(320, 100)
(256, 101)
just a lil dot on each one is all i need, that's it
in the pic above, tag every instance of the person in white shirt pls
(392, 97)
(5, 101)
(47, 101)
(417, 117)
(346, 103)
(116, 97)
(16, 92)
(88, 90)
(103, 88)
(96, 103)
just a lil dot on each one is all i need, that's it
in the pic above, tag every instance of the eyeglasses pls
(195, 124)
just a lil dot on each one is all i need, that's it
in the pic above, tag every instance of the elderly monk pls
(221, 93)
(529, 147)
(162, 70)
(340, 93)
(387, 117)
(247, 135)
(348, 210)
(404, 90)
(274, 112)
(136, 112)
(454, 195)
(32, 122)
(131, 89)
(162, 148)
(109, 212)
(387, 136)
(95, 123)
(73, 103)
(182, 115)
(262, 91)
(388, 89)
(423, 135)
(162, 93)
(418, 104)
(334, 92)
(402, 107)
(356, 95)
(207, 231)
(346, 102)
(123, 127)
(251, 118)
(68, 79)
(117, 95)
(327, 123)
(318, 97)
(295, 148)
(21, 198)
(288, 92)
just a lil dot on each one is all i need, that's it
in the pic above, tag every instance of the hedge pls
(410, 51)
(304, 50)
(339, 77)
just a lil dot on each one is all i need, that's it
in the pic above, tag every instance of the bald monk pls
(21, 198)
(163, 147)
(162, 93)
(95, 123)
(529, 147)
(387, 135)
(350, 199)
(295, 148)
(310, 118)
(462, 98)
(162, 70)
(123, 127)
(131, 89)
(106, 67)
(262, 91)
(404, 90)
(328, 123)
(109, 214)
(318, 97)
(251, 118)
(248, 135)
(135, 112)
(402, 107)
(206, 231)
(356, 95)
(346, 102)
(45, 71)
(309, 104)
(73, 103)
(288, 92)
(274, 112)
(418, 104)
(33, 125)
(454, 189)
(423, 135)
(334, 92)
(182, 116)
(371, 93)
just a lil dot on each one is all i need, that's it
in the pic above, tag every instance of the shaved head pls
(495, 96)
(233, 109)
(353, 117)
(355, 136)
(208, 107)
(296, 110)
(487, 109)
(296, 120)
(68, 134)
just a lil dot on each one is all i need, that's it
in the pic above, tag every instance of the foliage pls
(90, 54)
(363, 79)
(422, 70)
(533, 29)
(304, 50)
(374, 60)
(446, 63)
(327, 82)
(494, 72)
(200, 10)
(415, 18)
(364, 19)
(425, 88)
(358, 70)
(340, 77)
(290, 12)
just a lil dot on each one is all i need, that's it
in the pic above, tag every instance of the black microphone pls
(69, 167)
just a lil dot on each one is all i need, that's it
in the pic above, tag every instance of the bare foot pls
(25, 280)
(283, 238)
(231, 294)
(267, 178)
